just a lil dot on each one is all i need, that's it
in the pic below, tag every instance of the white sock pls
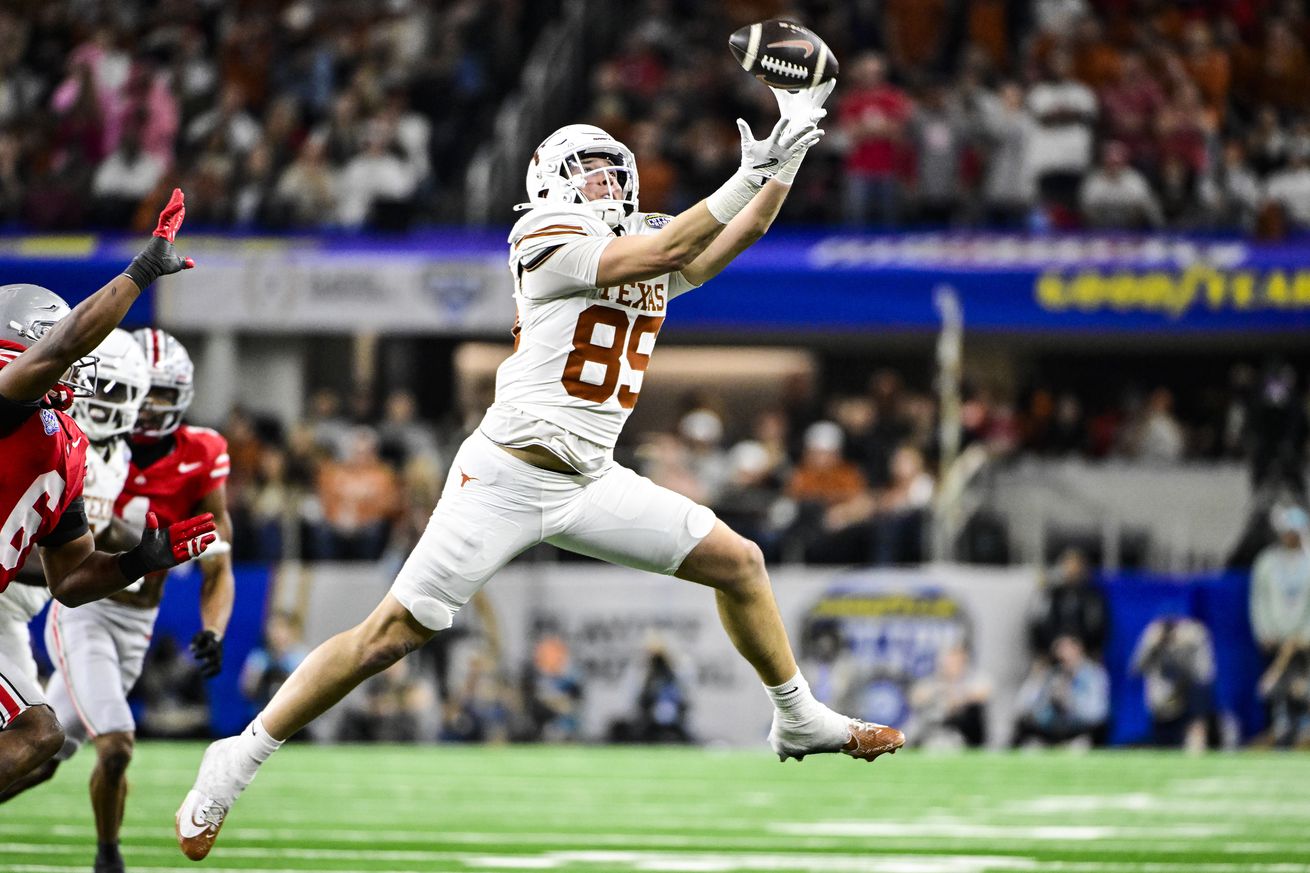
(794, 700)
(256, 742)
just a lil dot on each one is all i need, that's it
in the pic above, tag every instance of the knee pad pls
(431, 613)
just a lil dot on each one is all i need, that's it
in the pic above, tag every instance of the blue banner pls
(798, 280)
(1221, 602)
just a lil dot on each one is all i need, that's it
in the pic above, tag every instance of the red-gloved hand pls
(162, 548)
(159, 258)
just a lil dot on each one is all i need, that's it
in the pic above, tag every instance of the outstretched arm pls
(78, 574)
(798, 108)
(36, 371)
(685, 238)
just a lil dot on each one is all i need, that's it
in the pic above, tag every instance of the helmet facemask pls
(568, 166)
(120, 384)
(78, 380)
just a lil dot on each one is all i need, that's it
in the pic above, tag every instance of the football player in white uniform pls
(593, 280)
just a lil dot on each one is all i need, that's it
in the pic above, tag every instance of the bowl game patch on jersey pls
(657, 220)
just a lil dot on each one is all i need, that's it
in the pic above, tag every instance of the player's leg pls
(16, 655)
(627, 519)
(56, 694)
(109, 796)
(27, 740)
(98, 650)
(478, 526)
(29, 732)
(734, 567)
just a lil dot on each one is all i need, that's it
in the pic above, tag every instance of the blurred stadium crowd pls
(274, 115)
(827, 476)
(1031, 114)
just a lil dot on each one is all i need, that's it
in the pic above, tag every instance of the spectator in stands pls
(1155, 435)
(1065, 110)
(171, 694)
(268, 665)
(662, 703)
(1065, 700)
(125, 177)
(950, 706)
(1116, 196)
(1231, 191)
(1068, 604)
(1130, 105)
(397, 707)
(749, 497)
(403, 434)
(1267, 142)
(360, 495)
(1010, 187)
(1176, 658)
(701, 431)
(482, 708)
(872, 116)
(900, 510)
(229, 123)
(937, 134)
(331, 429)
(823, 478)
(1280, 622)
(1290, 189)
(553, 691)
(837, 677)
(376, 185)
(307, 192)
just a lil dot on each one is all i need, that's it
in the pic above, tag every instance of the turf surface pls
(607, 810)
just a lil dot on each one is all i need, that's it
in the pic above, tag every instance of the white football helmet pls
(172, 384)
(122, 380)
(556, 173)
(26, 313)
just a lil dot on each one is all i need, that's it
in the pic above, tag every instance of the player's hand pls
(803, 105)
(159, 258)
(763, 159)
(207, 649)
(800, 108)
(164, 547)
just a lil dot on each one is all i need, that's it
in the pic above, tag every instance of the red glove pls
(162, 548)
(159, 258)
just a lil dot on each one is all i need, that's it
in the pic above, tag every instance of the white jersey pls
(106, 474)
(580, 352)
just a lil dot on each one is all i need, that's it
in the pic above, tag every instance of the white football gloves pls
(763, 159)
(801, 108)
(777, 156)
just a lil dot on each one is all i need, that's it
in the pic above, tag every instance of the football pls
(783, 55)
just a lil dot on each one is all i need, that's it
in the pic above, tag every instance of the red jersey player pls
(42, 464)
(176, 471)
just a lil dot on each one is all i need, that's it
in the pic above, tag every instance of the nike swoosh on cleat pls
(185, 826)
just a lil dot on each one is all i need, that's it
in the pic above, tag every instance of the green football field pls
(495, 810)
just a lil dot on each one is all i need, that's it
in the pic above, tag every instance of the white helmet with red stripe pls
(567, 159)
(172, 383)
(122, 380)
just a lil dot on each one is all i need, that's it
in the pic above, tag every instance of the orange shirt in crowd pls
(357, 495)
(828, 484)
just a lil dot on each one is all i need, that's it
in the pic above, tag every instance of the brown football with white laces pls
(782, 54)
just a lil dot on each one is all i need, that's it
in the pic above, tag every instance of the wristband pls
(732, 197)
(131, 563)
(787, 173)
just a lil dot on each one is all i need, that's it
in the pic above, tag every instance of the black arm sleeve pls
(72, 524)
(13, 413)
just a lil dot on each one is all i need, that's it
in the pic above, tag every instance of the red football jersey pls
(42, 465)
(172, 486)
